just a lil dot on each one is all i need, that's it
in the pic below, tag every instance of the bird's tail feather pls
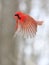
(39, 22)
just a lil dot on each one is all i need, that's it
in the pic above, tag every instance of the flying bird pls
(26, 25)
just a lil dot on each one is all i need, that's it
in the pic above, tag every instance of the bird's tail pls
(39, 22)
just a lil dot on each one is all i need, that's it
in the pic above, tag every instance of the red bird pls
(26, 24)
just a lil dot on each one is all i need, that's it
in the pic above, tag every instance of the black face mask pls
(18, 16)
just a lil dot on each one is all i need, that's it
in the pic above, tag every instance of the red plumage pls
(28, 25)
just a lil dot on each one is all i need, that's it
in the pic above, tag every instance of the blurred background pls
(39, 9)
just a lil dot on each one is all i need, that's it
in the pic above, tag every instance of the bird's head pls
(20, 16)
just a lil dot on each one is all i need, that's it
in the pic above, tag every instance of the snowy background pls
(9, 46)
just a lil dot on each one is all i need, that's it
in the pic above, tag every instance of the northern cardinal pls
(26, 24)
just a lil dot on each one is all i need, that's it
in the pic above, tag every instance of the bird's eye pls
(18, 16)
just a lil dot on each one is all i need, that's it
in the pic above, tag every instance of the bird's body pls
(26, 24)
